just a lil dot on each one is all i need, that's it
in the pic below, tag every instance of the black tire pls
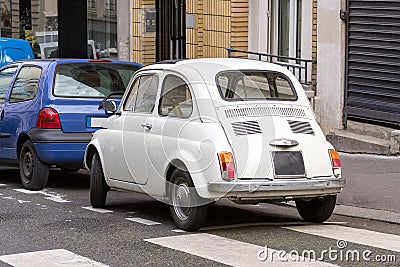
(317, 210)
(34, 173)
(98, 185)
(71, 168)
(193, 213)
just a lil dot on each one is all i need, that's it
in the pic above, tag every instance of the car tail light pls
(227, 165)
(334, 158)
(48, 119)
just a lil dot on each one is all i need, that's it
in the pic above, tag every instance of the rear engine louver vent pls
(301, 127)
(245, 128)
(265, 111)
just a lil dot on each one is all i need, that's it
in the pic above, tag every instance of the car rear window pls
(92, 79)
(255, 85)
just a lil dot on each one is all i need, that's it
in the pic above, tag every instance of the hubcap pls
(181, 200)
(27, 164)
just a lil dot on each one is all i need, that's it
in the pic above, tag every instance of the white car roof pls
(205, 70)
(219, 64)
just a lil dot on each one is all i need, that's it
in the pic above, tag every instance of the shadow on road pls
(223, 212)
(57, 179)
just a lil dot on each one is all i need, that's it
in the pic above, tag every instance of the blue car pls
(49, 110)
(14, 49)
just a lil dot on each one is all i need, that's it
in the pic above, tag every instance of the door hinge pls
(344, 14)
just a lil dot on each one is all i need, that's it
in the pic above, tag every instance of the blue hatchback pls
(49, 110)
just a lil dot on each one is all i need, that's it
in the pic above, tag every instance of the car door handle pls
(147, 125)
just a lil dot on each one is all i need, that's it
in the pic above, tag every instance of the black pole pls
(72, 28)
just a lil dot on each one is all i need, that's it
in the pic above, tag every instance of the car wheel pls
(71, 168)
(98, 185)
(188, 210)
(317, 210)
(34, 173)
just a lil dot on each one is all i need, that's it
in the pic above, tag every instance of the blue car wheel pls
(34, 173)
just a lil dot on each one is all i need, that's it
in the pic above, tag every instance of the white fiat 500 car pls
(192, 132)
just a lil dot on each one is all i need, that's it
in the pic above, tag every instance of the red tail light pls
(334, 158)
(227, 165)
(48, 119)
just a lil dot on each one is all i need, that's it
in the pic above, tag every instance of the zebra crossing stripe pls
(231, 252)
(57, 257)
(354, 235)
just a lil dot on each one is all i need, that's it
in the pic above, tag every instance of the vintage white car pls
(192, 132)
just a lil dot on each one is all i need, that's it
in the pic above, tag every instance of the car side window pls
(26, 84)
(142, 96)
(176, 100)
(6, 76)
(129, 104)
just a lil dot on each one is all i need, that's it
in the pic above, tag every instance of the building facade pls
(74, 28)
(352, 45)
(209, 28)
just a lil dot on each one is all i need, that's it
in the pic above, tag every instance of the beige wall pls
(143, 44)
(218, 25)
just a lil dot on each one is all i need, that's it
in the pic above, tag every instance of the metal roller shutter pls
(373, 61)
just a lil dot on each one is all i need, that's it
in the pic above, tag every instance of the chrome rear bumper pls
(279, 187)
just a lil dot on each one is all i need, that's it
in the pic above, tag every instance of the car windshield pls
(253, 85)
(92, 79)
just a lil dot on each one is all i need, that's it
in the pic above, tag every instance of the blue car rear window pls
(92, 79)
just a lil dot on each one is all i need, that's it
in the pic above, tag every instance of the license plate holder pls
(288, 163)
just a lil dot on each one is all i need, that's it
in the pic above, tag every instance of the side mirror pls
(109, 105)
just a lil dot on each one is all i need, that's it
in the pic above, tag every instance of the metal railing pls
(300, 67)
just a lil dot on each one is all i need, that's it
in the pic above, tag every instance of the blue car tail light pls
(48, 119)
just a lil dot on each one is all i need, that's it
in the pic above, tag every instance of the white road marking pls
(49, 195)
(28, 192)
(142, 221)
(97, 210)
(180, 231)
(57, 199)
(9, 198)
(229, 251)
(3, 185)
(354, 235)
(58, 257)
(23, 201)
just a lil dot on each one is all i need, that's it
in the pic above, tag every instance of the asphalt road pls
(57, 221)
(372, 182)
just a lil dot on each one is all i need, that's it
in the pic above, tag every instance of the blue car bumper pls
(61, 153)
(53, 146)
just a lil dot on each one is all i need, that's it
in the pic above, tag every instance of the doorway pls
(171, 29)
